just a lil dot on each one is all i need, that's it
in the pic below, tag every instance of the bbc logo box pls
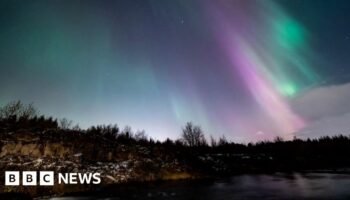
(12, 178)
(29, 178)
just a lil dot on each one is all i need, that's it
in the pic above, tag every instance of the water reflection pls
(276, 186)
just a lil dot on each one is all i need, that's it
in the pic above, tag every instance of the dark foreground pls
(274, 186)
(29, 142)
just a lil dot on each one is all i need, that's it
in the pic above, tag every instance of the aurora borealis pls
(243, 68)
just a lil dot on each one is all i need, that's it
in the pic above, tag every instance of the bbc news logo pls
(47, 178)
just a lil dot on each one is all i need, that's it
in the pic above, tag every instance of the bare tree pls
(65, 123)
(193, 135)
(76, 127)
(213, 142)
(141, 135)
(127, 132)
(278, 139)
(18, 109)
(222, 141)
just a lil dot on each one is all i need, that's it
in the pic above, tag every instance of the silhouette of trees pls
(140, 136)
(126, 136)
(222, 141)
(278, 139)
(278, 154)
(109, 132)
(16, 109)
(127, 132)
(213, 142)
(193, 136)
(76, 127)
(65, 123)
(16, 115)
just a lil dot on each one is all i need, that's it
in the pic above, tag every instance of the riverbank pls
(125, 159)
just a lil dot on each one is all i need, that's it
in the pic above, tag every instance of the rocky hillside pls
(72, 151)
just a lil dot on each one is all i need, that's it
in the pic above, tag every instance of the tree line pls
(16, 116)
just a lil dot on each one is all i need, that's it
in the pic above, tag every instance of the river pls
(273, 186)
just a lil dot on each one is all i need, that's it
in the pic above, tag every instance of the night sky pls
(249, 70)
